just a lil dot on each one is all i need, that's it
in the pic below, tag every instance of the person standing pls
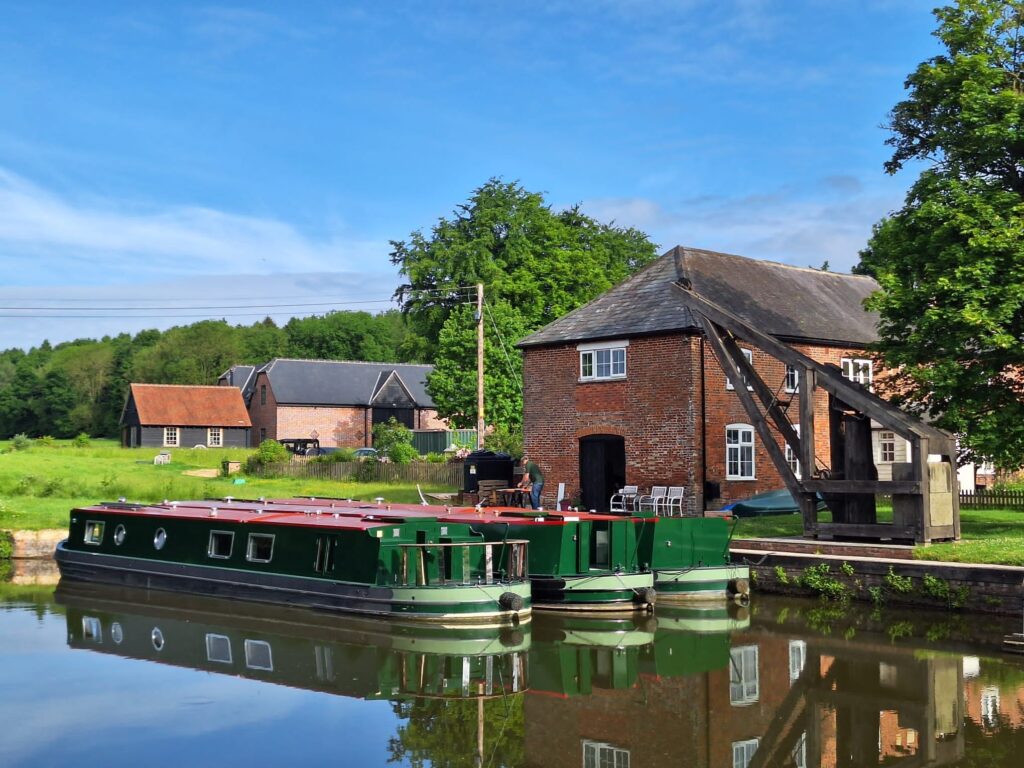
(533, 479)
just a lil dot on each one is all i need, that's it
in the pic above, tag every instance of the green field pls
(38, 486)
(988, 535)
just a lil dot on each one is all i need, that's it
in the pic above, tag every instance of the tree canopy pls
(950, 263)
(80, 386)
(536, 264)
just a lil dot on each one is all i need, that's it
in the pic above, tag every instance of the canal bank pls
(878, 573)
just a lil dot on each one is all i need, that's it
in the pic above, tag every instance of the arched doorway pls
(602, 469)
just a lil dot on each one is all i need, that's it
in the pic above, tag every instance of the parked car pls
(366, 453)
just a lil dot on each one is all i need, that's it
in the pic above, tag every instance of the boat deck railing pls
(455, 563)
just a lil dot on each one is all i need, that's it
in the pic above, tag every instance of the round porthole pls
(158, 638)
(160, 538)
(116, 632)
(119, 534)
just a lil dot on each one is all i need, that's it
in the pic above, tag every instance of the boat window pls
(258, 655)
(94, 532)
(324, 561)
(221, 543)
(261, 547)
(119, 534)
(218, 648)
(117, 632)
(159, 538)
(157, 638)
(92, 629)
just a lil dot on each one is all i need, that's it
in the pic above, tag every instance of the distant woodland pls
(80, 386)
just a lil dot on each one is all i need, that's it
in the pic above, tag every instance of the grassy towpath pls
(993, 536)
(39, 486)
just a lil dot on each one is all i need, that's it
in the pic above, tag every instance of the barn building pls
(172, 416)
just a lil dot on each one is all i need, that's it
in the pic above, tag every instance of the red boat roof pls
(462, 514)
(263, 516)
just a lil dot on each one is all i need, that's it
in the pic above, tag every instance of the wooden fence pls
(432, 475)
(992, 499)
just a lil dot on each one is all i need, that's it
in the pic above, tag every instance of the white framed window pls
(990, 706)
(261, 548)
(214, 437)
(750, 360)
(92, 629)
(218, 648)
(887, 447)
(800, 752)
(743, 752)
(744, 683)
(599, 362)
(791, 458)
(220, 544)
(858, 369)
(739, 452)
(171, 437)
(259, 655)
(597, 754)
(94, 532)
(797, 659)
(792, 379)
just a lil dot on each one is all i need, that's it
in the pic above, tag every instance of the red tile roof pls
(189, 406)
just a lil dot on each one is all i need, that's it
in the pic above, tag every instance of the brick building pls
(336, 402)
(624, 390)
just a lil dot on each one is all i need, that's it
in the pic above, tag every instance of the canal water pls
(94, 676)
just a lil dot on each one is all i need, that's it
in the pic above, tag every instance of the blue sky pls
(184, 154)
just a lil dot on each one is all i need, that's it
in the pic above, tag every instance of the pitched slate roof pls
(342, 382)
(189, 406)
(792, 303)
(241, 376)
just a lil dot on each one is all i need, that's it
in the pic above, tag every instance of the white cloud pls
(831, 221)
(46, 238)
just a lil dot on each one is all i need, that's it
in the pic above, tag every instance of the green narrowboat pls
(577, 561)
(690, 557)
(351, 656)
(416, 567)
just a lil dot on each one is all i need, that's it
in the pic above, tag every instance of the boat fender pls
(510, 601)
(739, 587)
(646, 596)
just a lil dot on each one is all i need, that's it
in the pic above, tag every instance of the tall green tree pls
(536, 264)
(951, 262)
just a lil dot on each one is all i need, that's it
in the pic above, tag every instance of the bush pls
(269, 452)
(435, 458)
(342, 454)
(403, 453)
(46, 440)
(505, 440)
(21, 442)
(81, 440)
(390, 433)
(6, 545)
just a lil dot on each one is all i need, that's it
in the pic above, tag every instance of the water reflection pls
(785, 683)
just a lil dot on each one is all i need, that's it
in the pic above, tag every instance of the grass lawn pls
(40, 485)
(988, 535)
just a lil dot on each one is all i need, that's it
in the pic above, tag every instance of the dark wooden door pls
(406, 416)
(602, 469)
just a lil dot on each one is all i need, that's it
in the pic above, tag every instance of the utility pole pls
(479, 366)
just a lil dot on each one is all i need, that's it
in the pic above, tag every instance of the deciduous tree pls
(951, 262)
(536, 263)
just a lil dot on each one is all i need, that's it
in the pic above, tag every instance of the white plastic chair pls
(672, 504)
(623, 500)
(650, 501)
